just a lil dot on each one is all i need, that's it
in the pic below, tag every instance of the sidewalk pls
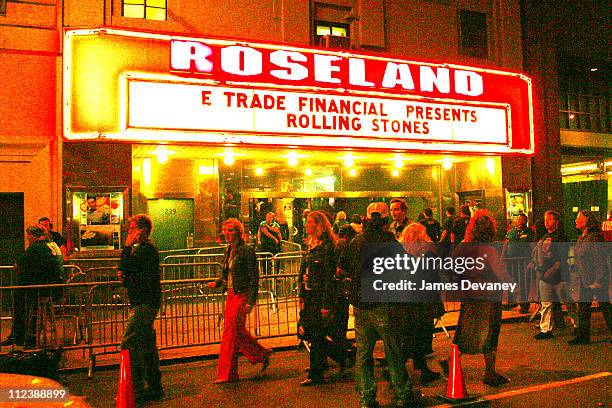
(187, 354)
(528, 362)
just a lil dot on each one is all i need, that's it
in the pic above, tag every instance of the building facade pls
(101, 134)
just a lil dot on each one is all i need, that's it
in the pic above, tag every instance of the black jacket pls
(141, 274)
(356, 262)
(317, 274)
(245, 274)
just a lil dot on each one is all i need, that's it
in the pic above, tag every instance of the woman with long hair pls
(418, 322)
(240, 278)
(316, 296)
(591, 274)
(480, 316)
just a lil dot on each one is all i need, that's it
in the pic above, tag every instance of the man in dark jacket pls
(40, 264)
(139, 270)
(550, 262)
(374, 320)
(432, 226)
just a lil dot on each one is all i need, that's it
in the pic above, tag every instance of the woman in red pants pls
(240, 278)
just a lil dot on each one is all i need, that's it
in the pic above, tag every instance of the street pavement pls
(545, 373)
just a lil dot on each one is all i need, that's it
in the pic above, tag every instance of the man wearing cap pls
(375, 321)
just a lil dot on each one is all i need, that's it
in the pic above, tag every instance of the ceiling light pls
(447, 163)
(292, 159)
(572, 169)
(228, 157)
(308, 172)
(259, 171)
(490, 165)
(395, 173)
(353, 172)
(349, 161)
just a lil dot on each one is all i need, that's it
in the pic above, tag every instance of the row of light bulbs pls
(292, 160)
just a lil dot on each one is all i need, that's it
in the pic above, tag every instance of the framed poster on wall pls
(97, 216)
(517, 203)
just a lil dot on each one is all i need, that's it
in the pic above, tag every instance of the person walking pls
(517, 248)
(460, 224)
(480, 314)
(445, 238)
(550, 263)
(419, 320)
(432, 226)
(316, 297)
(241, 279)
(140, 273)
(375, 321)
(592, 275)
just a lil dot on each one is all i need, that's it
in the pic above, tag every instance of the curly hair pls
(323, 228)
(482, 227)
(238, 227)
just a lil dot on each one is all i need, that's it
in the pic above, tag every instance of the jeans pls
(370, 325)
(139, 338)
(548, 294)
(583, 329)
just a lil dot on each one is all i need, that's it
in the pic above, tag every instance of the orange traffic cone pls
(125, 392)
(455, 390)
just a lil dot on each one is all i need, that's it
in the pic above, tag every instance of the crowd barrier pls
(87, 315)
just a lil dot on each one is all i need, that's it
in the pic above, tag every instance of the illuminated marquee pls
(296, 67)
(122, 86)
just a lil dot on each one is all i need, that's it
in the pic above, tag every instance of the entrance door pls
(11, 227)
(172, 221)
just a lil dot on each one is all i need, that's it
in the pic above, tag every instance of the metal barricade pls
(193, 270)
(193, 258)
(184, 251)
(288, 246)
(88, 263)
(72, 270)
(219, 249)
(522, 275)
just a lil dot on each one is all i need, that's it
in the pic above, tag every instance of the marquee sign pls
(121, 85)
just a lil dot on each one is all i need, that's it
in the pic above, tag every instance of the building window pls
(332, 35)
(149, 9)
(589, 113)
(473, 35)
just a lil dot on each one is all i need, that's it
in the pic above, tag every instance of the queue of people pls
(330, 279)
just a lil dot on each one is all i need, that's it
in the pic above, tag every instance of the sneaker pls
(445, 366)
(265, 363)
(428, 376)
(154, 394)
(309, 382)
(497, 380)
(543, 336)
